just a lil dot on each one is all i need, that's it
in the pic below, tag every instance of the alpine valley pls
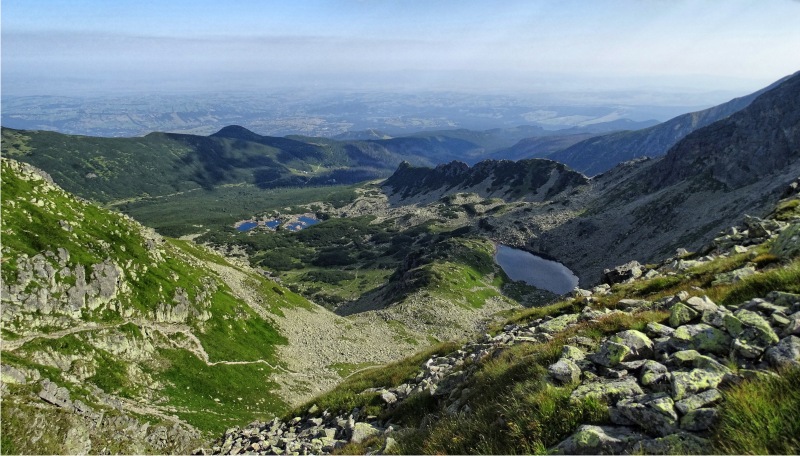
(240, 293)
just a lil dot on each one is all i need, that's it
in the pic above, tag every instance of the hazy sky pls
(55, 46)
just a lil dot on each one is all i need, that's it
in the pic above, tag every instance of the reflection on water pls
(536, 271)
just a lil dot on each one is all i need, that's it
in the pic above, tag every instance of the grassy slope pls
(31, 211)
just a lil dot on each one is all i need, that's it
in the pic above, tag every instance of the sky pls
(504, 46)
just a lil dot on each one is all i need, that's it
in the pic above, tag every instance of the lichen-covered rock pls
(679, 443)
(640, 345)
(701, 305)
(655, 375)
(658, 330)
(700, 419)
(755, 329)
(681, 314)
(608, 390)
(558, 324)
(786, 353)
(693, 381)
(565, 371)
(610, 354)
(572, 353)
(590, 439)
(787, 245)
(734, 276)
(362, 431)
(633, 304)
(655, 413)
(701, 337)
(696, 401)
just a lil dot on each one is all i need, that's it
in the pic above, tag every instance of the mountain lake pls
(534, 270)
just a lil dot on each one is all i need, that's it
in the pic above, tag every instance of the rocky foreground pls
(662, 385)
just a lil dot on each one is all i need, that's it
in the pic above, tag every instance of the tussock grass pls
(781, 279)
(761, 417)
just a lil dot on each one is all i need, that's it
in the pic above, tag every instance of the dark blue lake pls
(272, 224)
(246, 226)
(535, 271)
(302, 222)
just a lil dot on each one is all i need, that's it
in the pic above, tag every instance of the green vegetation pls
(760, 417)
(219, 396)
(200, 210)
(347, 394)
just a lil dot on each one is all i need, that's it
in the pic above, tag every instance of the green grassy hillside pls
(134, 327)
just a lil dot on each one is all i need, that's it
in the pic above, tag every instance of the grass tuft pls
(761, 417)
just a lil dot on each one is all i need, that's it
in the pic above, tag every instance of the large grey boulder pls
(786, 353)
(701, 337)
(700, 419)
(787, 245)
(590, 439)
(609, 391)
(655, 376)
(610, 354)
(696, 401)
(641, 347)
(655, 413)
(623, 273)
(565, 371)
(679, 443)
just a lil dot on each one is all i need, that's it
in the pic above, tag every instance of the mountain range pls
(386, 324)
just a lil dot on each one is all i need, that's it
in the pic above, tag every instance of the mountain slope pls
(118, 340)
(108, 169)
(644, 211)
(597, 155)
(533, 180)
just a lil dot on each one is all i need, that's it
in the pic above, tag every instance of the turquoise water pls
(534, 270)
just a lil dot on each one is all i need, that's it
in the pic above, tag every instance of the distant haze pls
(58, 47)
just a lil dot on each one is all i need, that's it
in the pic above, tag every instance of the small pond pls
(246, 226)
(302, 222)
(534, 270)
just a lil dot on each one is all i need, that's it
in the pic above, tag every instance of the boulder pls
(659, 330)
(787, 244)
(679, 443)
(620, 274)
(786, 353)
(610, 354)
(734, 276)
(654, 375)
(681, 314)
(565, 371)
(700, 419)
(701, 304)
(632, 304)
(558, 324)
(655, 413)
(590, 439)
(640, 345)
(696, 401)
(572, 353)
(701, 337)
(755, 329)
(362, 431)
(716, 318)
(609, 391)
(694, 381)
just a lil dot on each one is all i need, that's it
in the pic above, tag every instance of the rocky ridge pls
(662, 385)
